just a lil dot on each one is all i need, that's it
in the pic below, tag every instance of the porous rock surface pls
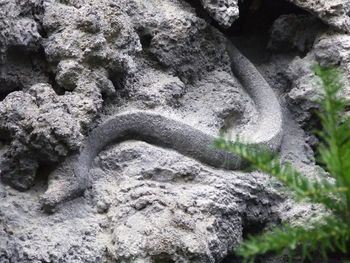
(225, 12)
(320, 46)
(329, 50)
(66, 66)
(147, 205)
(44, 127)
(294, 32)
(334, 13)
(21, 58)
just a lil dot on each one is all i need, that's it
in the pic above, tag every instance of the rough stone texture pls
(334, 13)
(294, 32)
(191, 217)
(147, 205)
(44, 127)
(133, 55)
(225, 12)
(315, 44)
(68, 65)
(329, 50)
(82, 64)
(100, 60)
(21, 58)
(19, 26)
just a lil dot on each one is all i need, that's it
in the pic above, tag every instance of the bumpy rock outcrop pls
(67, 66)
(294, 32)
(328, 50)
(147, 205)
(81, 65)
(225, 12)
(334, 12)
(20, 46)
(44, 127)
(103, 57)
(315, 44)
(19, 26)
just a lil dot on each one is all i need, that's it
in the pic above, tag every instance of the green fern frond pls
(321, 192)
(331, 233)
(328, 235)
(334, 150)
(335, 133)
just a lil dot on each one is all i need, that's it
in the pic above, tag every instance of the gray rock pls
(166, 132)
(164, 216)
(22, 63)
(161, 206)
(43, 127)
(334, 13)
(68, 72)
(290, 32)
(330, 49)
(18, 27)
(81, 62)
(225, 12)
(177, 38)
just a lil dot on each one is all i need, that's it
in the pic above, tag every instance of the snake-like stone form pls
(72, 177)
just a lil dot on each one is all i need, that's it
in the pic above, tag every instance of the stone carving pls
(165, 132)
(77, 74)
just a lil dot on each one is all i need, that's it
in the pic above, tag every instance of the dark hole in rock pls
(253, 228)
(163, 258)
(23, 68)
(52, 81)
(9, 79)
(43, 173)
(118, 80)
(230, 121)
(146, 37)
(257, 16)
(5, 137)
(146, 40)
(42, 32)
(251, 31)
(7, 86)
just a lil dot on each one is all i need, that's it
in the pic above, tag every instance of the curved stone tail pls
(164, 132)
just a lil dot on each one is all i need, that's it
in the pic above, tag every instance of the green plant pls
(332, 232)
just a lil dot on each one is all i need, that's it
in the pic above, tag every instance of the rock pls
(334, 13)
(131, 54)
(68, 65)
(330, 49)
(18, 27)
(290, 32)
(177, 38)
(190, 49)
(68, 72)
(225, 12)
(22, 63)
(161, 206)
(99, 61)
(43, 127)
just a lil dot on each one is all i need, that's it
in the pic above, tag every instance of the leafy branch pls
(331, 233)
